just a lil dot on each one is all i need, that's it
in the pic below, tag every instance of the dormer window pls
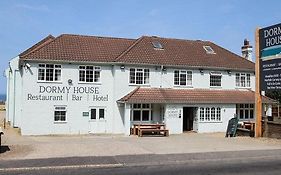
(209, 50)
(157, 45)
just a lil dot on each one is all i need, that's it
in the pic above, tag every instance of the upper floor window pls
(49, 72)
(89, 73)
(139, 76)
(215, 79)
(242, 80)
(183, 78)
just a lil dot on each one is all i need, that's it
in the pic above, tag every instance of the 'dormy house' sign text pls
(60, 93)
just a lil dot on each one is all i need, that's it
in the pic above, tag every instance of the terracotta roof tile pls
(176, 52)
(37, 46)
(191, 96)
(179, 52)
(81, 48)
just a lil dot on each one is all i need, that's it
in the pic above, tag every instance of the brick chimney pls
(247, 50)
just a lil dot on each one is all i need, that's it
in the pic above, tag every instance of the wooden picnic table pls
(249, 125)
(137, 127)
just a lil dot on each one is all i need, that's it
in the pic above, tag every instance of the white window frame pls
(96, 71)
(209, 50)
(188, 78)
(145, 79)
(202, 114)
(210, 114)
(62, 108)
(56, 67)
(239, 77)
(215, 74)
(97, 108)
(245, 108)
(141, 107)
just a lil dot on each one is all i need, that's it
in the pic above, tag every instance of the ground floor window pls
(60, 114)
(141, 112)
(210, 114)
(97, 113)
(245, 111)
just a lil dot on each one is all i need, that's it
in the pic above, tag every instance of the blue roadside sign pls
(270, 55)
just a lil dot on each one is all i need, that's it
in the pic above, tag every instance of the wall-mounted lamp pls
(163, 68)
(69, 81)
(229, 72)
(201, 71)
(122, 67)
(26, 65)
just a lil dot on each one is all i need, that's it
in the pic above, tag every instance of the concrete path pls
(23, 147)
(32, 147)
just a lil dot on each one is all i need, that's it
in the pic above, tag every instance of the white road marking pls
(61, 167)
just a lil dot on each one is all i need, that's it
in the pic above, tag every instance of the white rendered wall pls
(202, 80)
(7, 75)
(14, 89)
(227, 112)
(173, 118)
(38, 116)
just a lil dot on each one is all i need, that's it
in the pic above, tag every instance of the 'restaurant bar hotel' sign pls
(270, 54)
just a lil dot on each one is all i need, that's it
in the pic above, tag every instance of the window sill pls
(57, 82)
(60, 122)
(248, 119)
(216, 87)
(96, 83)
(140, 122)
(242, 87)
(182, 86)
(143, 85)
(210, 122)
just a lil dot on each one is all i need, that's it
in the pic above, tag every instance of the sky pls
(224, 22)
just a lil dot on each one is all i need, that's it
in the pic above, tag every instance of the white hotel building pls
(73, 84)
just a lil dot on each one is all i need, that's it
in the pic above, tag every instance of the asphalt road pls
(238, 162)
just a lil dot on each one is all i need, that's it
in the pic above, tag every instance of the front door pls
(97, 121)
(188, 116)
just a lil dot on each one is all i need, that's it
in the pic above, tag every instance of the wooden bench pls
(245, 132)
(154, 131)
(137, 127)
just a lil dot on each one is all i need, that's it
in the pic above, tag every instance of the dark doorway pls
(188, 115)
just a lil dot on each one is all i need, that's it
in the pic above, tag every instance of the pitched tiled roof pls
(81, 48)
(191, 96)
(37, 46)
(183, 53)
(175, 52)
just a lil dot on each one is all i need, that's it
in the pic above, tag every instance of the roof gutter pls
(138, 64)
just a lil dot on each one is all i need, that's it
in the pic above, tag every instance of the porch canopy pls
(191, 96)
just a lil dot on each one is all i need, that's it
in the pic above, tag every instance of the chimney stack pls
(247, 50)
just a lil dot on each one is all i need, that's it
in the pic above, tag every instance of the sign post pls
(268, 66)
(258, 103)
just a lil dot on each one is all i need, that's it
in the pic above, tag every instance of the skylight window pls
(157, 45)
(209, 50)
